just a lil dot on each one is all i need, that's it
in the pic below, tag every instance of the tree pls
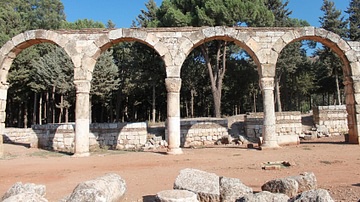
(175, 13)
(334, 22)
(104, 82)
(354, 20)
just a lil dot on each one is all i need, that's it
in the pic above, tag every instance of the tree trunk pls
(25, 114)
(216, 74)
(254, 102)
(278, 97)
(35, 109)
(337, 86)
(153, 104)
(66, 115)
(47, 108)
(40, 108)
(118, 106)
(61, 108)
(53, 104)
(192, 92)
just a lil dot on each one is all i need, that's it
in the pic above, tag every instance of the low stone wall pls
(202, 131)
(60, 137)
(288, 126)
(333, 118)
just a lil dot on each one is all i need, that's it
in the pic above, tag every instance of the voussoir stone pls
(176, 196)
(264, 196)
(286, 186)
(108, 188)
(306, 181)
(315, 195)
(232, 189)
(19, 188)
(204, 184)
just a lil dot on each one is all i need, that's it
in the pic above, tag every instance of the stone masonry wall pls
(333, 118)
(288, 126)
(60, 137)
(202, 131)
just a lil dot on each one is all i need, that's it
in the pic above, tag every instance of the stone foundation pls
(333, 118)
(288, 126)
(60, 137)
(202, 131)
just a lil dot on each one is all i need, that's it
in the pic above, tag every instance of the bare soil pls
(335, 164)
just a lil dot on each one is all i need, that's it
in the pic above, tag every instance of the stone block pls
(205, 185)
(110, 187)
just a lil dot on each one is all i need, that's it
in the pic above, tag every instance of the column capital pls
(173, 85)
(82, 86)
(267, 83)
(4, 85)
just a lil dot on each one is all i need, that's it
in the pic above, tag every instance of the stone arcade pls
(173, 45)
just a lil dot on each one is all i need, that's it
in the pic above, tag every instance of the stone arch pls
(346, 55)
(15, 45)
(240, 38)
(130, 35)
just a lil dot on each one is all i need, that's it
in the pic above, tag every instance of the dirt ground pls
(336, 166)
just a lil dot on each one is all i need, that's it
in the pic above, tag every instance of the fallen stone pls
(26, 197)
(306, 181)
(205, 185)
(110, 187)
(286, 186)
(264, 196)
(19, 188)
(176, 196)
(318, 195)
(232, 189)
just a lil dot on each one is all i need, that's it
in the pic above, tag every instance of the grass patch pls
(46, 154)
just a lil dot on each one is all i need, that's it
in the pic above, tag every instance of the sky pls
(123, 12)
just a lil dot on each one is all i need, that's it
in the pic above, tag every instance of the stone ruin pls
(191, 185)
(240, 129)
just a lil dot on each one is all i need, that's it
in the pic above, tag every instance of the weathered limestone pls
(110, 187)
(232, 189)
(269, 127)
(173, 86)
(176, 196)
(263, 44)
(286, 186)
(82, 118)
(264, 196)
(320, 195)
(25, 190)
(205, 185)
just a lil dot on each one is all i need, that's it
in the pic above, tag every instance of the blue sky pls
(123, 12)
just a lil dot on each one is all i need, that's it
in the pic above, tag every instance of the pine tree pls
(334, 22)
(175, 13)
(354, 19)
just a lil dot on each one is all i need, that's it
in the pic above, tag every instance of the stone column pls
(82, 118)
(173, 86)
(269, 127)
(3, 97)
(351, 109)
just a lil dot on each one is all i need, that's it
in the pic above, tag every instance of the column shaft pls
(173, 86)
(82, 118)
(3, 97)
(269, 127)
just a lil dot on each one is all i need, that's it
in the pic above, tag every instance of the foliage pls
(354, 20)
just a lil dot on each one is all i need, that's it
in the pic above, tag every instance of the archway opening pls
(310, 75)
(128, 84)
(41, 88)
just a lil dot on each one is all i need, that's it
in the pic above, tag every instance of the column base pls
(79, 155)
(174, 151)
(269, 145)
